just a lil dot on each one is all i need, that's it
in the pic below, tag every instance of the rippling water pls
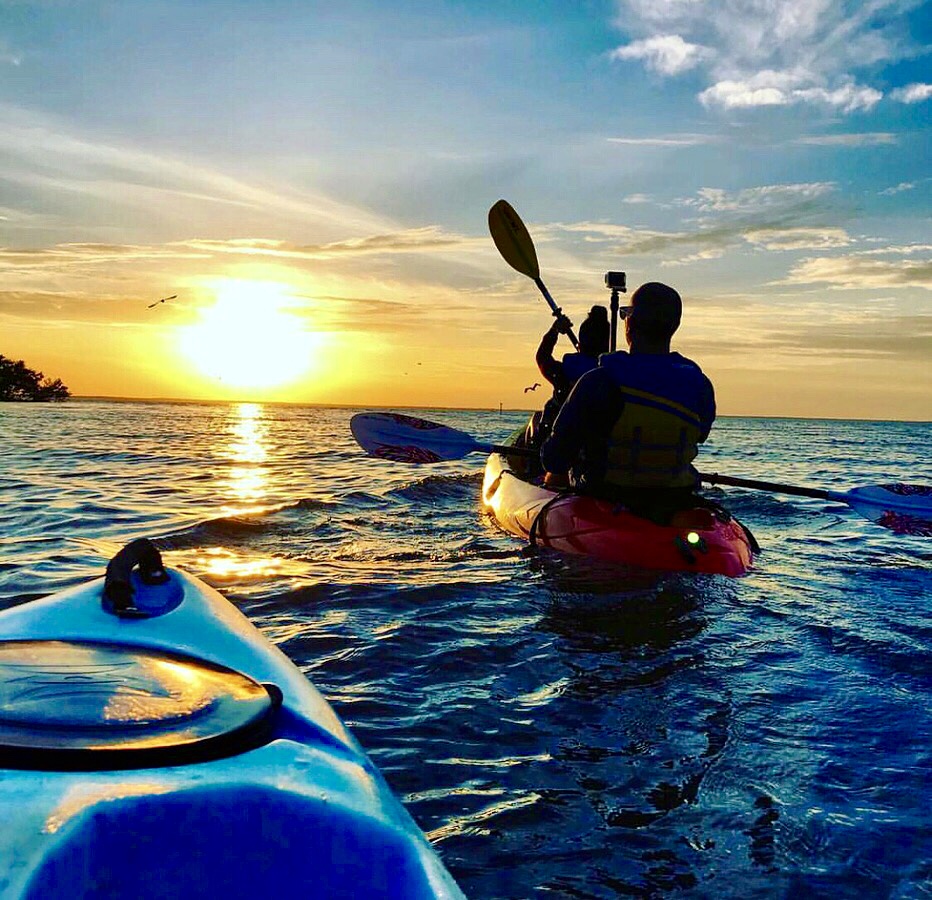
(557, 728)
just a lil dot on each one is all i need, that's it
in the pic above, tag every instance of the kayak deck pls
(696, 540)
(303, 813)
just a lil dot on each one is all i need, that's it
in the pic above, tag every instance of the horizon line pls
(318, 405)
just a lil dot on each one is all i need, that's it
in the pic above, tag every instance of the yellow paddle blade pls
(512, 239)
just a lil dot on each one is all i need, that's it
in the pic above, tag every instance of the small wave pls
(874, 653)
(364, 499)
(268, 520)
(439, 487)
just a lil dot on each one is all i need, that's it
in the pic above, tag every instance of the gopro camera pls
(615, 281)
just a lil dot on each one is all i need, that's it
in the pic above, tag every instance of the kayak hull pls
(695, 541)
(304, 813)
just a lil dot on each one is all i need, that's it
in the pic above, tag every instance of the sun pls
(248, 338)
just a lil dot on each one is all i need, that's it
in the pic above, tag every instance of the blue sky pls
(769, 159)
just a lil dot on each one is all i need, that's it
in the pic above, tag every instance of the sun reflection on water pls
(223, 564)
(245, 489)
(248, 477)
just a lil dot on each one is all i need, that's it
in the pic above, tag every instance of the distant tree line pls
(19, 382)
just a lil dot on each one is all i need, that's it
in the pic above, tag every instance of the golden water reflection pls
(245, 488)
(221, 563)
(247, 451)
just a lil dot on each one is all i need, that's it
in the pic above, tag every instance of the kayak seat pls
(231, 841)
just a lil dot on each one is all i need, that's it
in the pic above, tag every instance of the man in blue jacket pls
(631, 428)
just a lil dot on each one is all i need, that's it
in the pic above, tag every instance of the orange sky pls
(276, 333)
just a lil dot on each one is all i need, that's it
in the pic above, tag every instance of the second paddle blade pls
(903, 508)
(408, 439)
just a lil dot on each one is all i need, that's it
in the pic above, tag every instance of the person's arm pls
(549, 367)
(706, 411)
(583, 408)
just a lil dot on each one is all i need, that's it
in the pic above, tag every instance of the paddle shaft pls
(712, 478)
(555, 309)
(509, 451)
(715, 478)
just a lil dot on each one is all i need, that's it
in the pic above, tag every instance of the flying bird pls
(533, 387)
(157, 302)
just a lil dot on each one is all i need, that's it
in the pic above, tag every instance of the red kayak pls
(696, 540)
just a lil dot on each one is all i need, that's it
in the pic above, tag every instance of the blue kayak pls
(154, 745)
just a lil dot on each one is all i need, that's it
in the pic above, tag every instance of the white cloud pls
(770, 88)
(912, 93)
(755, 199)
(637, 198)
(857, 272)
(758, 53)
(898, 189)
(798, 238)
(777, 217)
(859, 139)
(741, 95)
(848, 98)
(701, 256)
(899, 250)
(667, 54)
(673, 140)
(597, 230)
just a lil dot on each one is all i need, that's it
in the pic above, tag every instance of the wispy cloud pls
(667, 54)
(857, 271)
(350, 313)
(767, 217)
(898, 250)
(673, 140)
(700, 256)
(11, 217)
(798, 238)
(858, 139)
(414, 240)
(912, 93)
(8, 56)
(635, 199)
(42, 152)
(715, 240)
(755, 53)
(755, 199)
(73, 307)
(63, 256)
(876, 336)
(897, 189)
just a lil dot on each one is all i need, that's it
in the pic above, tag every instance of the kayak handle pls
(118, 587)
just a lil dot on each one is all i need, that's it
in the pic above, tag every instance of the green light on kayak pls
(693, 538)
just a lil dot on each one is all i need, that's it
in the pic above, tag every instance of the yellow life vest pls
(652, 443)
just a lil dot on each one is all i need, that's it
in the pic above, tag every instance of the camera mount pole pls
(614, 308)
(616, 287)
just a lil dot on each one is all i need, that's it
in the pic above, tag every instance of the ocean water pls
(557, 728)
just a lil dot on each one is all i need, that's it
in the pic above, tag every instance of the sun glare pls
(248, 338)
